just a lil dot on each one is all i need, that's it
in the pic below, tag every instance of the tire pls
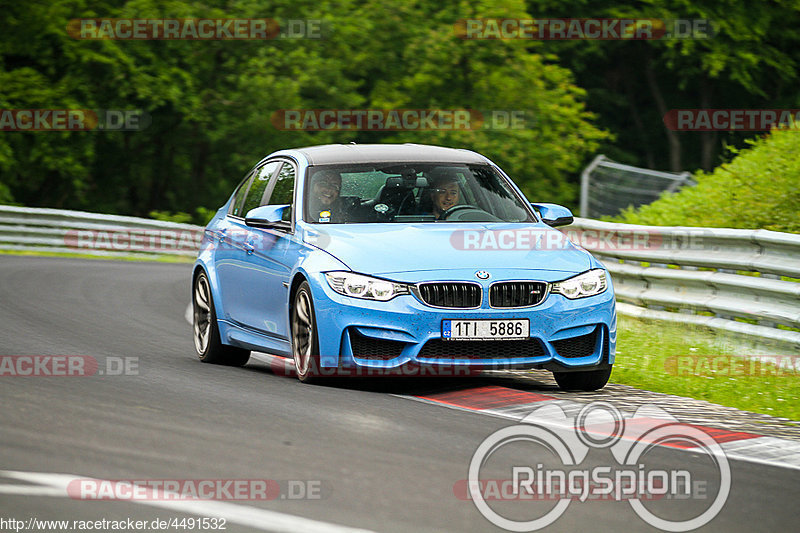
(305, 342)
(207, 341)
(586, 380)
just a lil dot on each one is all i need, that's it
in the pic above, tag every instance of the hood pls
(381, 249)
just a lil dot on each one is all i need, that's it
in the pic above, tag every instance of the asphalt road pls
(380, 461)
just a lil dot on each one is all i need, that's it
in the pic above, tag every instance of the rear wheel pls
(207, 341)
(585, 380)
(305, 343)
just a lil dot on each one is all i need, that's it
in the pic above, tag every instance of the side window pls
(283, 190)
(255, 195)
(238, 197)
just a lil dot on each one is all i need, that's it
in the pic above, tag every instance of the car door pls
(231, 260)
(270, 258)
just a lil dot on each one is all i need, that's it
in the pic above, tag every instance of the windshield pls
(410, 192)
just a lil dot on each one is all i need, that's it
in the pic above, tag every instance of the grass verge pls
(693, 361)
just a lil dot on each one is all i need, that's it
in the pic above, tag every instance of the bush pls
(201, 216)
(758, 189)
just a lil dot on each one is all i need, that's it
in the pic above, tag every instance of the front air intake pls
(453, 295)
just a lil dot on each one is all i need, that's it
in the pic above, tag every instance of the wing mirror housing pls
(554, 215)
(268, 216)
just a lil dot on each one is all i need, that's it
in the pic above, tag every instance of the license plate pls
(478, 330)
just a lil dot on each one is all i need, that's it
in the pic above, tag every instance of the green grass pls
(142, 257)
(673, 358)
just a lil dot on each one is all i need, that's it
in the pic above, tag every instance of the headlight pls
(369, 288)
(583, 285)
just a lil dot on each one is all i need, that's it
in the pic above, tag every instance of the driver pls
(444, 195)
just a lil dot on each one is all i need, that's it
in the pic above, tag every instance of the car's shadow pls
(529, 380)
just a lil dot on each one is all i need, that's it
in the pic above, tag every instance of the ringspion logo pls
(564, 475)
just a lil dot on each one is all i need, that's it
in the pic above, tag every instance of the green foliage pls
(749, 63)
(201, 216)
(431, 68)
(183, 218)
(757, 189)
(5, 195)
(211, 101)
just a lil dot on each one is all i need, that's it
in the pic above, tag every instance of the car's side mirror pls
(268, 216)
(554, 214)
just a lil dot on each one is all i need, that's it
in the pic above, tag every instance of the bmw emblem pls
(482, 274)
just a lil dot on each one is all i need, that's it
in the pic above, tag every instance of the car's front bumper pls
(404, 332)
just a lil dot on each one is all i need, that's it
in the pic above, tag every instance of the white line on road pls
(28, 490)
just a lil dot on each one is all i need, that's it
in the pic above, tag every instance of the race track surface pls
(377, 458)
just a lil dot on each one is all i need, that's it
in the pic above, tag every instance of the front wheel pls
(585, 380)
(207, 341)
(305, 343)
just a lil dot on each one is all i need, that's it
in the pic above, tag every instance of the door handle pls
(249, 248)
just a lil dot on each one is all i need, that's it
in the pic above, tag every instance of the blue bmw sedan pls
(369, 259)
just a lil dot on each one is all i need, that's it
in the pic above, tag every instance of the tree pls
(210, 102)
(750, 63)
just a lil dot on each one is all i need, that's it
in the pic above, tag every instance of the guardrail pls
(57, 230)
(742, 281)
(746, 282)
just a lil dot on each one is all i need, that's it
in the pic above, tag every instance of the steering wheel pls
(482, 215)
(455, 209)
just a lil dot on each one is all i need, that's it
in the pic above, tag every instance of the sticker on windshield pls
(325, 216)
(381, 208)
